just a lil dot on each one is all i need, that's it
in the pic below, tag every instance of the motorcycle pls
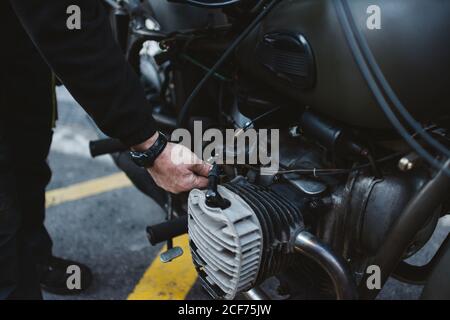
(363, 121)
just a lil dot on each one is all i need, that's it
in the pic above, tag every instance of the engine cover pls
(236, 248)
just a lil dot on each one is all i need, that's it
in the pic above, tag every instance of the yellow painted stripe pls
(86, 189)
(167, 281)
(161, 281)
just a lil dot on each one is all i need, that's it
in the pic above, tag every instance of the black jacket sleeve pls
(90, 64)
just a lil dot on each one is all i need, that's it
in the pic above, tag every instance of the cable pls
(378, 74)
(185, 110)
(265, 114)
(203, 67)
(373, 163)
(330, 172)
(379, 96)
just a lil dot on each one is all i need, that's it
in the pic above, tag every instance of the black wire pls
(257, 6)
(373, 163)
(359, 58)
(182, 118)
(378, 74)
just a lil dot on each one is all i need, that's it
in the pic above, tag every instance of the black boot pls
(59, 276)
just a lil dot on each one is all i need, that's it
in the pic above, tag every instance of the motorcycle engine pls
(237, 247)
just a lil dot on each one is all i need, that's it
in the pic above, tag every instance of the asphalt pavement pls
(106, 231)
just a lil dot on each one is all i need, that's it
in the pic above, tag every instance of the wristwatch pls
(147, 159)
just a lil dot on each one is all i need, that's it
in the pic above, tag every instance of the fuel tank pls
(300, 51)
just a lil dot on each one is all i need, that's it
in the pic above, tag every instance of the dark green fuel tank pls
(300, 51)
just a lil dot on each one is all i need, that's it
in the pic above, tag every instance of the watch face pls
(139, 158)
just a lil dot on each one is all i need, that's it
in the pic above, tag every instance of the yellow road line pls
(161, 281)
(167, 281)
(86, 189)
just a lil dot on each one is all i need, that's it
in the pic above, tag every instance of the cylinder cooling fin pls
(226, 244)
(236, 248)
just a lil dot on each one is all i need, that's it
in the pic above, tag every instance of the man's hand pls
(177, 169)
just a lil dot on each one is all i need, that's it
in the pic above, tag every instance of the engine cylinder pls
(236, 248)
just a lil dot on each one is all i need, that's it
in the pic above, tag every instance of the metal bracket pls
(172, 252)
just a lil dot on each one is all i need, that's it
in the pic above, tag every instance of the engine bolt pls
(408, 162)
(294, 132)
(315, 204)
(405, 165)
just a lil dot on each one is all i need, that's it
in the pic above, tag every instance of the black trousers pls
(27, 115)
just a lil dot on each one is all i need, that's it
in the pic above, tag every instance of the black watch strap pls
(147, 159)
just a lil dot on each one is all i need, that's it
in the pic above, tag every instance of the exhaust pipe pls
(308, 245)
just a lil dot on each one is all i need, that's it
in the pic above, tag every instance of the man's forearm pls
(91, 65)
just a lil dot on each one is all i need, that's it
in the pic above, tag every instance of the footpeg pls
(171, 254)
